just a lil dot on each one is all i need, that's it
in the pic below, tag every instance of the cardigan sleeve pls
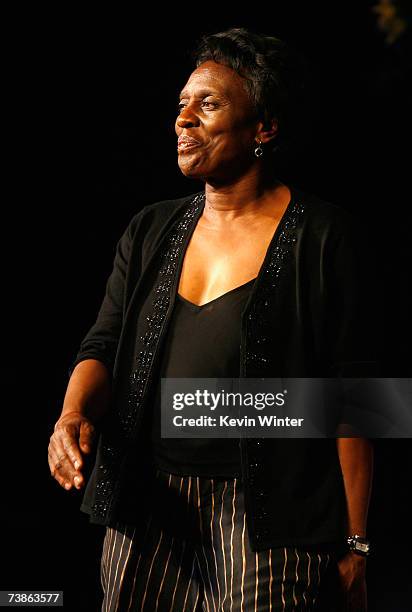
(352, 318)
(352, 303)
(102, 339)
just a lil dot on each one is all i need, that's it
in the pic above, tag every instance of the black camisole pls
(201, 342)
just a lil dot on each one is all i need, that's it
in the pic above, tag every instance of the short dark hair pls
(273, 73)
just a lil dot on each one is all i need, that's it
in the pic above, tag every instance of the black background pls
(91, 118)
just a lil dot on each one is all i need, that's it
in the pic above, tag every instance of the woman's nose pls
(186, 118)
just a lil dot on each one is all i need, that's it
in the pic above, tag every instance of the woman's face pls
(217, 125)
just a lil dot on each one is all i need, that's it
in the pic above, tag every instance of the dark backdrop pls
(93, 102)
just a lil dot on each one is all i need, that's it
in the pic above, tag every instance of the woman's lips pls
(185, 143)
(185, 146)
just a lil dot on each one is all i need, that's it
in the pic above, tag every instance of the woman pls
(271, 277)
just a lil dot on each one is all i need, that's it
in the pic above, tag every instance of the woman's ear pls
(267, 130)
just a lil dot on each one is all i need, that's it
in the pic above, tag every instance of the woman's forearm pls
(356, 460)
(89, 390)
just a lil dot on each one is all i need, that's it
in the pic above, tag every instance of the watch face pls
(362, 547)
(359, 545)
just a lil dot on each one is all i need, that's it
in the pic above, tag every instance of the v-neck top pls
(203, 341)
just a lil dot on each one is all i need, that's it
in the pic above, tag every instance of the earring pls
(259, 149)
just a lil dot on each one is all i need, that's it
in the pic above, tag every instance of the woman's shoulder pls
(326, 223)
(152, 221)
(160, 211)
(319, 210)
(164, 208)
(325, 217)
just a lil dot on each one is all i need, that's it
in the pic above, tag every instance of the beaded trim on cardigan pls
(256, 358)
(138, 378)
(258, 320)
(145, 351)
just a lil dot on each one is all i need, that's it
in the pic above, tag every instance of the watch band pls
(359, 545)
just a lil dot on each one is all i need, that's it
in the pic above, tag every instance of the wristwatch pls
(359, 545)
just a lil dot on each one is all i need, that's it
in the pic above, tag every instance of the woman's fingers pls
(68, 435)
(61, 465)
(73, 452)
(61, 468)
(65, 455)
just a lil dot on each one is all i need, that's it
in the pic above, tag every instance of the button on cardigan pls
(311, 313)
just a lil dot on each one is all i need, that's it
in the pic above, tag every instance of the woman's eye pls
(209, 104)
(204, 103)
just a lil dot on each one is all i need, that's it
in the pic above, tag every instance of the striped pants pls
(193, 554)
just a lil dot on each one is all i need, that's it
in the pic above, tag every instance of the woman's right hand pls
(74, 435)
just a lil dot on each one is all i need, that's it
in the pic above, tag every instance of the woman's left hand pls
(352, 573)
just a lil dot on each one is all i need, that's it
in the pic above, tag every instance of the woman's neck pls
(242, 198)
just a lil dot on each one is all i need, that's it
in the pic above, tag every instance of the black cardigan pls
(309, 314)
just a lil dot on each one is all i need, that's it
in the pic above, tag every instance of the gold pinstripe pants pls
(193, 554)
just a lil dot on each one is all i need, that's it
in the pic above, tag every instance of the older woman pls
(248, 278)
